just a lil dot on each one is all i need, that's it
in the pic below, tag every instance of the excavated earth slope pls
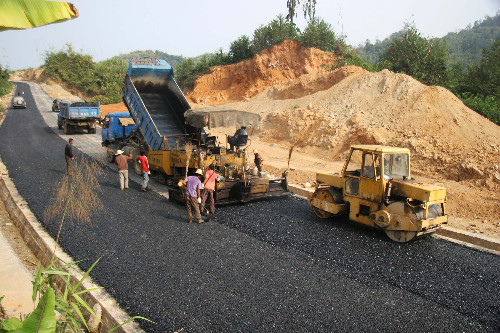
(276, 65)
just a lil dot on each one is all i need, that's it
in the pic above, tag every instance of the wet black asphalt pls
(264, 266)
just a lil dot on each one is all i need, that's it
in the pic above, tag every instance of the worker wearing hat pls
(193, 198)
(121, 161)
(258, 160)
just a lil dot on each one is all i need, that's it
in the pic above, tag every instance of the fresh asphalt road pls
(264, 266)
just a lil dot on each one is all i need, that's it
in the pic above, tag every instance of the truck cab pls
(375, 188)
(117, 126)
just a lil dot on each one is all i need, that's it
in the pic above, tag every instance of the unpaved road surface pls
(265, 266)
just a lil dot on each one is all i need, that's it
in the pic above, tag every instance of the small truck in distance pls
(79, 115)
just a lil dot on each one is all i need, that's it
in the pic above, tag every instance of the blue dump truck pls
(78, 115)
(117, 127)
(177, 144)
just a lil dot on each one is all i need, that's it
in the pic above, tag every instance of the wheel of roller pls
(401, 236)
(329, 195)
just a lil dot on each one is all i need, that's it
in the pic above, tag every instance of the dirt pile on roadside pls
(276, 65)
(111, 108)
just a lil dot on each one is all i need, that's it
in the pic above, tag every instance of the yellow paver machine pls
(175, 139)
(375, 188)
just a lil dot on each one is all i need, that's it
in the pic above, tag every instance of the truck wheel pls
(59, 125)
(135, 152)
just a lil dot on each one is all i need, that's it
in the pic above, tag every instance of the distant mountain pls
(171, 59)
(465, 46)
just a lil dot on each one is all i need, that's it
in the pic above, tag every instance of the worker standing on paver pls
(208, 190)
(122, 164)
(143, 161)
(258, 160)
(193, 199)
(68, 153)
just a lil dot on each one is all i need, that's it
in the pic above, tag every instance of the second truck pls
(159, 109)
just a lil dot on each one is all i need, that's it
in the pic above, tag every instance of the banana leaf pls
(25, 14)
(43, 319)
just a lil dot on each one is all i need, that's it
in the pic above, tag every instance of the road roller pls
(375, 188)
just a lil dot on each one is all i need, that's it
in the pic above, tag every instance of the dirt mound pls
(277, 65)
(392, 109)
(312, 83)
(111, 108)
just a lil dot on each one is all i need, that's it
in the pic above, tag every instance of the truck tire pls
(59, 125)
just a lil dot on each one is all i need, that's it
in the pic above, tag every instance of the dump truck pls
(77, 115)
(375, 188)
(117, 127)
(175, 142)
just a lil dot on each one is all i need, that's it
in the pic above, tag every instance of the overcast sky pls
(191, 27)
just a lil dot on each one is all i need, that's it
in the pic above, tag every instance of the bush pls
(240, 49)
(320, 34)
(100, 81)
(424, 59)
(488, 106)
(276, 32)
(5, 85)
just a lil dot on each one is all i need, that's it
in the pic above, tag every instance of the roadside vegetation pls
(5, 85)
(100, 81)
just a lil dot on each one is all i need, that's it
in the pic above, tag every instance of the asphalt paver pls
(264, 266)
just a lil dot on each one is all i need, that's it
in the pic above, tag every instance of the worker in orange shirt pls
(208, 190)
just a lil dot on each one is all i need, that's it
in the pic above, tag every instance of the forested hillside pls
(465, 46)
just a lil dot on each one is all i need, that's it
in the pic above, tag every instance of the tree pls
(240, 49)
(308, 7)
(274, 33)
(485, 78)
(424, 59)
(320, 34)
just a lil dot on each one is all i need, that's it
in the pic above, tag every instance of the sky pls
(192, 27)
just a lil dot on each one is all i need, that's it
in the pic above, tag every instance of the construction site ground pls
(303, 101)
(261, 266)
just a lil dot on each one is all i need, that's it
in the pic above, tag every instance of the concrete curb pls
(42, 245)
(463, 237)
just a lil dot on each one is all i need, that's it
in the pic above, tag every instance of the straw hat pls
(119, 152)
(255, 151)
(199, 172)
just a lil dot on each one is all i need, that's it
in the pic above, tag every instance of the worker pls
(143, 161)
(122, 164)
(258, 160)
(193, 199)
(208, 190)
(68, 153)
